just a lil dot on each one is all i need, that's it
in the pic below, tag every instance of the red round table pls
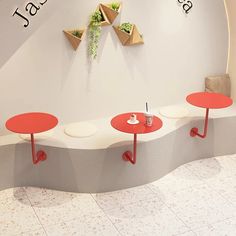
(208, 101)
(119, 122)
(32, 123)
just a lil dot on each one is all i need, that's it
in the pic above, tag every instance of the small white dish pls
(133, 122)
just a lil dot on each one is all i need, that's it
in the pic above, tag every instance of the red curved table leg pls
(40, 155)
(194, 131)
(128, 155)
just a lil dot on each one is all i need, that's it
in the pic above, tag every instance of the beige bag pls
(218, 84)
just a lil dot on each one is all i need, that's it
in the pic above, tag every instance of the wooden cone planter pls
(123, 36)
(106, 21)
(74, 41)
(109, 12)
(133, 38)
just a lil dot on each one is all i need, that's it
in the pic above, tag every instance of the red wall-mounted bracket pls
(40, 155)
(32, 123)
(209, 101)
(120, 122)
(128, 155)
(194, 131)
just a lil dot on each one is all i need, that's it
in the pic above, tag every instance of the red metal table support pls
(194, 131)
(120, 123)
(32, 123)
(208, 101)
(40, 155)
(128, 155)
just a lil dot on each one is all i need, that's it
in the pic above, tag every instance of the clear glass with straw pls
(148, 116)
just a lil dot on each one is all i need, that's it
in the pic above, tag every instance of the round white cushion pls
(175, 112)
(80, 130)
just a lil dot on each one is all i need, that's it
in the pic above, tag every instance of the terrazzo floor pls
(196, 199)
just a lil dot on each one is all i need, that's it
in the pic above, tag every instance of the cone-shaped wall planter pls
(105, 22)
(133, 38)
(74, 41)
(123, 36)
(109, 12)
(136, 37)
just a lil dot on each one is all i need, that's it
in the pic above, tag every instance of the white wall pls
(46, 74)
(13, 34)
(231, 8)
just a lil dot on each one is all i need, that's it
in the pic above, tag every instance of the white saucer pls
(133, 122)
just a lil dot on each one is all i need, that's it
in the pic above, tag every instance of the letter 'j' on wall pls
(30, 10)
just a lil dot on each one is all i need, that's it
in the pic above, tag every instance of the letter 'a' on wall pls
(179, 52)
(186, 5)
(20, 19)
(31, 8)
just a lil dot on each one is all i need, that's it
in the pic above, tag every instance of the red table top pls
(120, 123)
(209, 100)
(31, 123)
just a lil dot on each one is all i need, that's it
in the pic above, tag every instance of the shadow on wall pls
(68, 59)
(131, 55)
(102, 44)
(52, 173)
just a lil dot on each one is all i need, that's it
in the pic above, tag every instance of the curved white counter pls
(94, 164)
(106, 136)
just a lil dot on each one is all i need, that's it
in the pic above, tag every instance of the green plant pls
(96, 17)
(95, 30)
(115, 6)
(77, 33)
(126, 27)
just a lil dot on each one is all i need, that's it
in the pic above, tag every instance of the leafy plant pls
(115, 6)
(96, 17)
(95, 30)
(126, 27)
(77, 33)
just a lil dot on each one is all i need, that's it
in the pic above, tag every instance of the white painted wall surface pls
(231, 9)
(13, 35)
(45, 74)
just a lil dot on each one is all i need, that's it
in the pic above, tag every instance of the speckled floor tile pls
(91, 225)
(57, 230)
(180, 178)
(225, 187)
(115, 199)
(213, 168)
(50, 215)
(189, 233)
(199, 206)
(218, 173)
(16, 214)
(146, 218)
(39, 232)
(223, 228)
(14, 193)
(197, 199)
(44, 197)
(56, 206)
